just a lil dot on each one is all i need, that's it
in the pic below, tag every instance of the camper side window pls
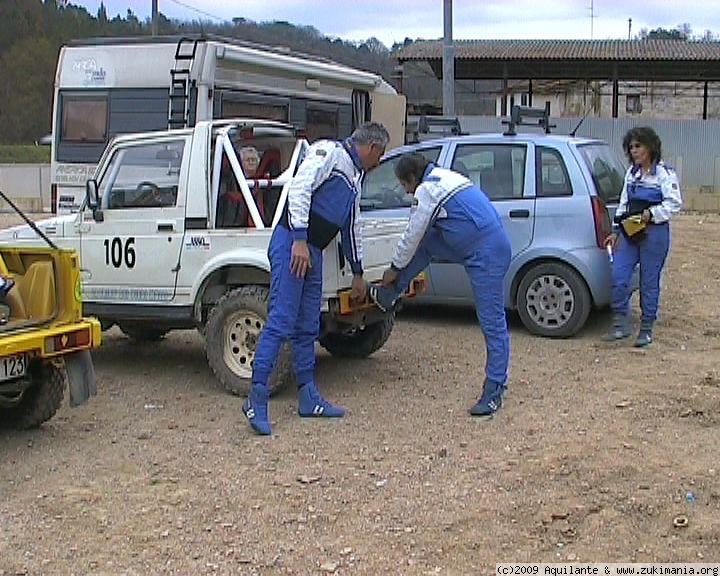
(84, 119)
(143, 176)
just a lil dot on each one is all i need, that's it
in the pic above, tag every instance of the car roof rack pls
(429, 127)
(519, 113)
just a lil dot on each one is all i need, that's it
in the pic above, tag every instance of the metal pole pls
(448, 61)
(155, 17)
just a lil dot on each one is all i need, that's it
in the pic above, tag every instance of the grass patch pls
(17, 154)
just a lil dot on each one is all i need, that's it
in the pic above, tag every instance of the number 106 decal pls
(119, 252)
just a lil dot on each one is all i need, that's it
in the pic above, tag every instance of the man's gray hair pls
(371, 133)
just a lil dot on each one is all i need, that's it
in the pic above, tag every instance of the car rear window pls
(608, 172)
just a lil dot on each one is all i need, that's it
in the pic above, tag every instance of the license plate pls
(12, 367)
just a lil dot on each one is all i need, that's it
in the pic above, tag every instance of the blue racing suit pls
(323, 199)
(659, 192)
(454, 220)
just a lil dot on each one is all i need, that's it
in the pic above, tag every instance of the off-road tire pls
(41, 401)
(142, 332)
(558, 281)
(361, 342)
(242, 311)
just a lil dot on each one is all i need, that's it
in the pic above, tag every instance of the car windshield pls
(608, 172)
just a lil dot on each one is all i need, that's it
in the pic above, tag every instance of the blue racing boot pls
(255, 409)
(620, 328)
(312, 405)
(384, 298)
(490, 401)
(645, 336)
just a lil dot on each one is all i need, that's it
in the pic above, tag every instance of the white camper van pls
(110, 86)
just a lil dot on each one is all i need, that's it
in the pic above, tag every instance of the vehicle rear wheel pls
(360, 342)
(231, 335)
(142, 332)
(553, 300)
(41, 399)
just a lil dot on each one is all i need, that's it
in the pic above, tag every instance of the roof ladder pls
(181, 85)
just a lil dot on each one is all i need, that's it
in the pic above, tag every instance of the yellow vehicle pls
(45, 342)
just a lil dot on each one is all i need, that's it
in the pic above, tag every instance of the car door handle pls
(165, 226)
(519, 214)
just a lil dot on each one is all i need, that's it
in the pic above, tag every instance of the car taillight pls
(602, 220)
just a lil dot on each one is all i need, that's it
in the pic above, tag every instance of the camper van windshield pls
(84, 119)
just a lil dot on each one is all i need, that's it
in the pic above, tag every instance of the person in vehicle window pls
(249, 160)
(323, 199)
(232, 208)
(454, 220)
(641, 232)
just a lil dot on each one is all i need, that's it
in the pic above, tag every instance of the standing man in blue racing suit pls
(323, 199)
(455, 221)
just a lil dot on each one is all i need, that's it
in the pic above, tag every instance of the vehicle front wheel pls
(553, 300)
(231, 336)
(359, 342)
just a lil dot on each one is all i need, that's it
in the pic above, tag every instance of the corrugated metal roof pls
(608, 50)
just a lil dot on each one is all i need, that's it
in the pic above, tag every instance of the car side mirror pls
(92, 198)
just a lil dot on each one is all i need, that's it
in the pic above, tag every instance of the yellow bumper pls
(53, 342)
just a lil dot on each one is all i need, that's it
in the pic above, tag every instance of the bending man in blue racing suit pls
(453, 220)
(323, 199)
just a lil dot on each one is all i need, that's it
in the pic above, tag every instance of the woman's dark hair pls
(648, 138)
(411, 164)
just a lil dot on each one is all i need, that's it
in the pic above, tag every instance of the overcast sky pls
(393, 20)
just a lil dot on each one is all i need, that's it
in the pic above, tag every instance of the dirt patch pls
(598, 449)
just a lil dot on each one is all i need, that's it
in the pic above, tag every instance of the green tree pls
(26, 93)
(18, 20)
(102, 14)
(682, 32)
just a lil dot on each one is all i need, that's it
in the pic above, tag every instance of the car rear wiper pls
(29, 222)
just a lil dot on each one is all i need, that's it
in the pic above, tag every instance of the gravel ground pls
(591, 458)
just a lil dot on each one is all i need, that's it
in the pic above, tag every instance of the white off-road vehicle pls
(174, 235)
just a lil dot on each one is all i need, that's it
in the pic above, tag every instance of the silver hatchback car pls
(556, 196)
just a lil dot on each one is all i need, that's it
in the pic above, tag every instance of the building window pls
(633, 104)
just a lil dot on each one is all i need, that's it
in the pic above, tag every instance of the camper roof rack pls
(428, 127)
(519, 113)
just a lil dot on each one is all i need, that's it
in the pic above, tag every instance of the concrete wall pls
(694, 201)
(27, 185)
